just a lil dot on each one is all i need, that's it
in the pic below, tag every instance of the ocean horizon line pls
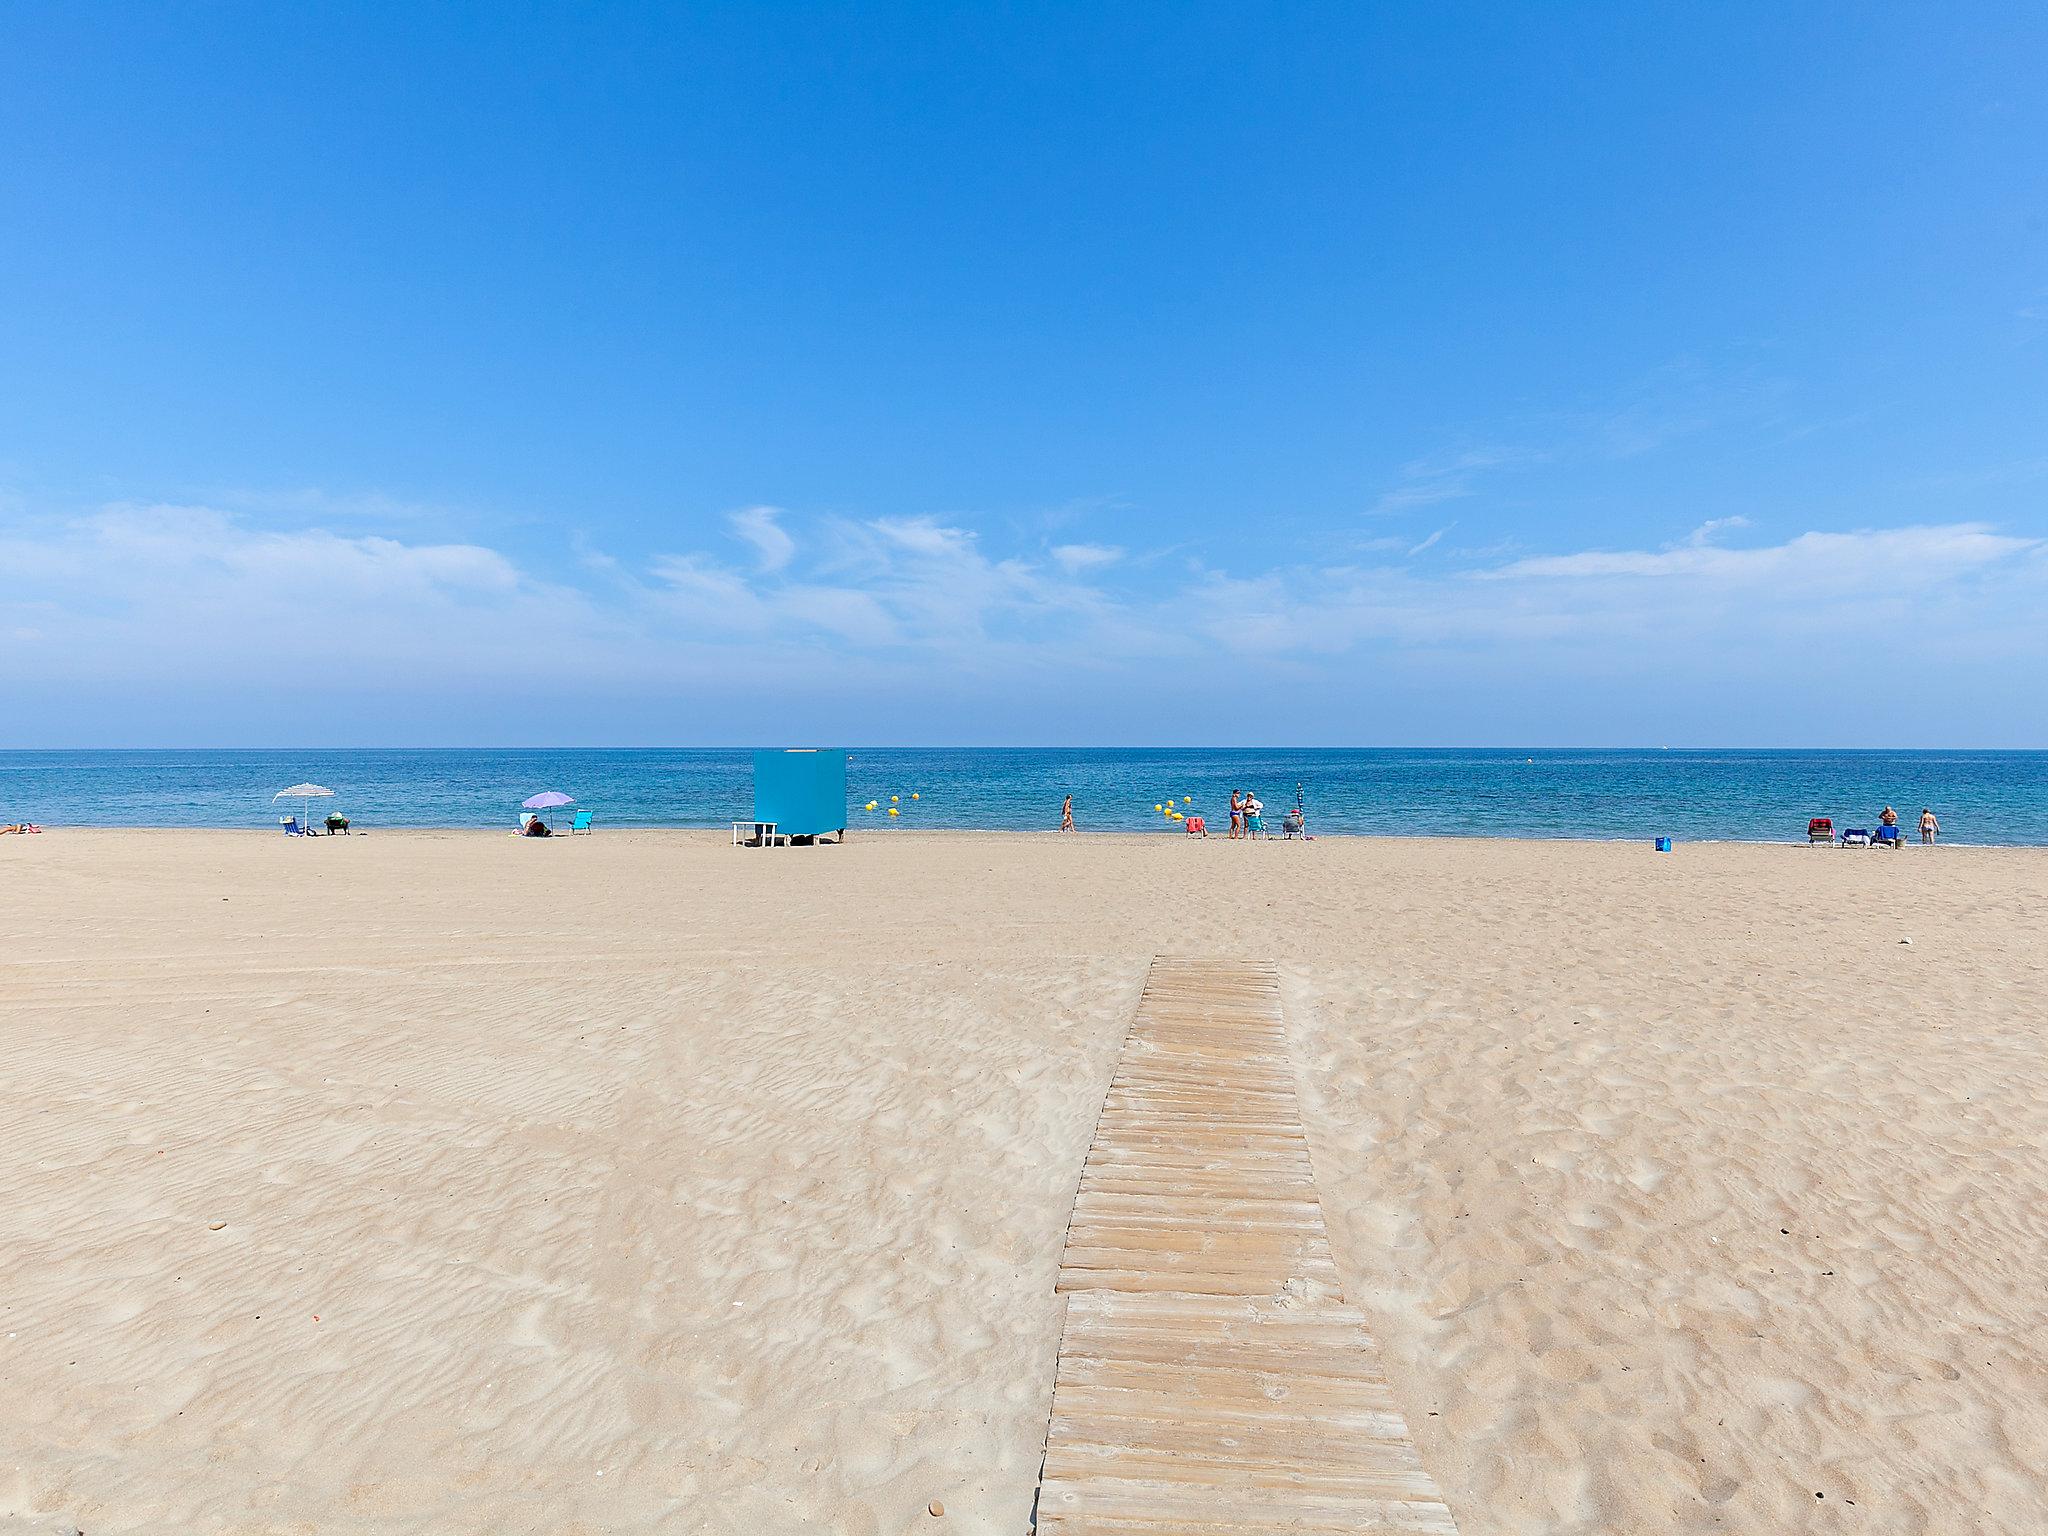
(900, 746)
(1694, 794)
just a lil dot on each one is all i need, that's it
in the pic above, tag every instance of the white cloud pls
(1670, 404)
(1432, 541)
(710, 591)
(761, 527)
(1086, 557)
(923, 536)
(1432, 481)
(1895, 554)
(149, 603)
(200, 539)
(1710, 530)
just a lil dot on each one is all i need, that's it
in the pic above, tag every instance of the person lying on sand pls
(19, 826)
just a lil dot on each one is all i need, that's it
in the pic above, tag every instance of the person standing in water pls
(1067, 814)
(1930, 825)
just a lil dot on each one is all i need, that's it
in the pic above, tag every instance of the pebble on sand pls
(215, 1226)
(936, 1507)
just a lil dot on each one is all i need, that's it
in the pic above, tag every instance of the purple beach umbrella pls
(546, 800)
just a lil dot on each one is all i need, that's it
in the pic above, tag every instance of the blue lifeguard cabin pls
(798, 792)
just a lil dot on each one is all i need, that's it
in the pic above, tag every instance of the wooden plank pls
(1211, 1379)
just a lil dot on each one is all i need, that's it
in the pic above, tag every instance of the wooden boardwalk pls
(1211, 1378)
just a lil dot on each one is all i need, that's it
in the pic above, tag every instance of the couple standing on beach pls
(1247, 814)
(1930, 824)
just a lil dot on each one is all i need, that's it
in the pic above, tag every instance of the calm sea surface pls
(1981, 797)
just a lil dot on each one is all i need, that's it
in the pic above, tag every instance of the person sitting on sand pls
(1930, 825)
(536, 828)
(1254, 815)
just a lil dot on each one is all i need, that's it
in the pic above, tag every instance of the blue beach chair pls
(581, 823)
(291, 826)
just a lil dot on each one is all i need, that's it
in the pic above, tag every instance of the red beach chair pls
(1821, 830)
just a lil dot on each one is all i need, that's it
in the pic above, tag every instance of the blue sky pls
(1435, 374)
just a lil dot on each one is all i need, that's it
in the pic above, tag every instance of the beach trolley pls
(799, 796)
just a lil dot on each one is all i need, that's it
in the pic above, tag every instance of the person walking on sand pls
(1930, 825)
(1067, 814)
(1236, 814)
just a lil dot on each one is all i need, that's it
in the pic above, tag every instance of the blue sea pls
(1981, 797)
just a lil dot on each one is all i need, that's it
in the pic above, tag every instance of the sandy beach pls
(457, 1182)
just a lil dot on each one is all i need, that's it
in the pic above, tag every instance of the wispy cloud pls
(1428, 482)
(1830, 559)
(1663, 408)
(1711, 529)
(143, 601)
(1431, 542)
(925, 536)
(1086, 557)
(762, 528)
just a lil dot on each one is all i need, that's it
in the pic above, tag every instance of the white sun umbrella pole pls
(305, 794)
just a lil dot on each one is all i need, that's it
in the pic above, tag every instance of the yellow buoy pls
(913, 794)
(1187, 799)
(871, 805)
(1158, 807)
(894, 812)
(894, 798)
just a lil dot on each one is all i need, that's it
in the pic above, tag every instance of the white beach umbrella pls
(305, 794)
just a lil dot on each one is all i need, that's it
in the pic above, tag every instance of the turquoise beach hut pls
(799, 793)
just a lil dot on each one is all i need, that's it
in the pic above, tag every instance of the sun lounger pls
(1855, 837)
(1821, 829)
(1888, 837)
